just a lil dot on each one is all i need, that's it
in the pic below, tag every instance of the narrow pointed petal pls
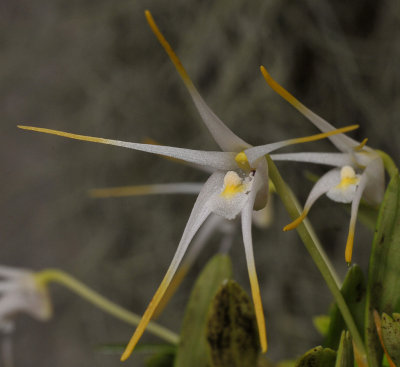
(342, 142)
(248, 246)
(225, 138)
(323, 185)
(261, 150)
(139, 190)
(203, 235)
(197, 166)
(353, 217)
(215, 160)
(329, 159)
(200, 212)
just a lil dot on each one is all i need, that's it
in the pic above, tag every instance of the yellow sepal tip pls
(348, 254)
(296, 222)
(361, 145)
(255, 291)
(64, 134)
(280, 90)
(168, 49)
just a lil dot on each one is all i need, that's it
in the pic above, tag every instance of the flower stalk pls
(47, 276)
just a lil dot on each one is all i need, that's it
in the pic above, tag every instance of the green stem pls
(54, 275)
(388, 163)
(319, 257)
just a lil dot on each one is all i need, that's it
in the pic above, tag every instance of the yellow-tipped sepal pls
(349, 245)
(296, 222)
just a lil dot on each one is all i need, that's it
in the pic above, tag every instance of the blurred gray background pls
(95, 68)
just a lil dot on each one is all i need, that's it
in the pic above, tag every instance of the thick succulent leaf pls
(232, 332)
(384, 271)
(318, 357)
(345, 356)
(192, 349)
(353, 290)
(391, 336)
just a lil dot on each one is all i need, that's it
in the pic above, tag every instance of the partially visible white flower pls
(360, 171)
(21, 293)
(237, 185)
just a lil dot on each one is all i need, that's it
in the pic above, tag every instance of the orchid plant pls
(241, 179)
(238, 185)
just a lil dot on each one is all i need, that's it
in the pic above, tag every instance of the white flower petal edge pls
(20, 292)
(329, 159)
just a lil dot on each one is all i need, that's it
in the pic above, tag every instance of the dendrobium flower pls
(237, 185)
(359, 172)
(21, 292)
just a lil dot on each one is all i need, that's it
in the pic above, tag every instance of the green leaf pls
(161, 359)
(232, 332)
(353, 290)
(318, 357)
(391, 336)
(384, 271)
(192, 348)
(345, 356)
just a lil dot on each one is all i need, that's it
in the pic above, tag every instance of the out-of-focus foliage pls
(192, 349)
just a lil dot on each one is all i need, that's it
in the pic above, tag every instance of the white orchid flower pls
(21, 293)
(359, 169)
(237, 186)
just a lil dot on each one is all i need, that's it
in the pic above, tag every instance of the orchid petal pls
(216, 160)
(199, 214)
(261, 150)
(323, 185)
(138, 190)
(342, 142)
(203, 234)
(225, 138)
(248, 246)
(329, 159)
(353, 217)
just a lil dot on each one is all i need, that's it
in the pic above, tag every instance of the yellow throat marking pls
(233, 185)
(348, 177)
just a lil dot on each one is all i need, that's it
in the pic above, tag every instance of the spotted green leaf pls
(318, 357)
(192, 348)
(232, 332)
(391, 336)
